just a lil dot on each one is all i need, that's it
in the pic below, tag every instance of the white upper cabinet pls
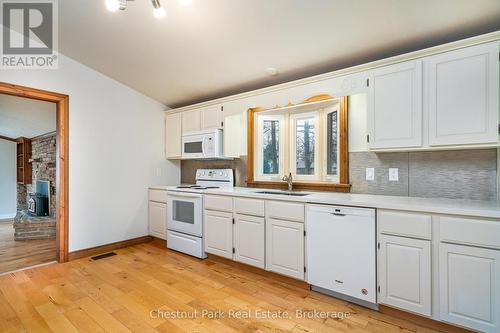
(463, 96)
(202, 119)
(235, 135)
(173, 135)
(211, 117)
(395, 106)
(191, 121)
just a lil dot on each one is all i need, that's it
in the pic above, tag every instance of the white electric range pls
(185, 210)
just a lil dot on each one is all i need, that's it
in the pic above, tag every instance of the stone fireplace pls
(36, 204)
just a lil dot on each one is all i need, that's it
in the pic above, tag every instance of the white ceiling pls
(26, 117)
(213, 48)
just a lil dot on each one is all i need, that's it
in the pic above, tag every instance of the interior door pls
(249, 240)
(405, 273)
(395, 106)
(469, 286)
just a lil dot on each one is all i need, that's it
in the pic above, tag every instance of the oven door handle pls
(185, 195)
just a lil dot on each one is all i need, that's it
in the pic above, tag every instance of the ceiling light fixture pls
(271, 71)
(114, 5)
(158, 10)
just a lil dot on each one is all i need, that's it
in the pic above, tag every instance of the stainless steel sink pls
(294, 194)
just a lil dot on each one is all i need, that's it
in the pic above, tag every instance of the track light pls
(114, 5)
(158, 10)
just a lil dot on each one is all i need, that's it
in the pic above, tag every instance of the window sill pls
(331, 187)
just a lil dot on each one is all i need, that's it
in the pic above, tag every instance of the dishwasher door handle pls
(337, 214)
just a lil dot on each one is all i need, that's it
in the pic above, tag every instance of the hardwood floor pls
(20, 254)
(119, 294)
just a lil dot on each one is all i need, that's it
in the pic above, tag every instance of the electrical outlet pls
(393, 174)
(370, 174)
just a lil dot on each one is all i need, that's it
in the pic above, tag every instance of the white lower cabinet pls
(158, 219)
(405, 273)
(219, 233)
(285, 247)
(469, 285)
(249, 240)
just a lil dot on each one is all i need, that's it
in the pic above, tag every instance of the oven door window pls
(195, 147)
(183, 211)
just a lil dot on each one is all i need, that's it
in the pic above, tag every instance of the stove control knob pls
(220, 173)
(203, 173)
(198, 174)
(225, 174)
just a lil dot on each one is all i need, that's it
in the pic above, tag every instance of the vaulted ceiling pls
(213, 48)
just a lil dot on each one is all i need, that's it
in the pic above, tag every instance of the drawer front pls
(469, 231)
(400, 223)
(290, 211)
(247, 206)
(158, 195)
(218, 202)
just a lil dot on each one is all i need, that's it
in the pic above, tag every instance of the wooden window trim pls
(343, 184)
(62, 162)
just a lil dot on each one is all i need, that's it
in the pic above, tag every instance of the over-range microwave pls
(202, 144)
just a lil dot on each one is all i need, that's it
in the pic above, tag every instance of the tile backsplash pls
(460, 174)
(239, 165)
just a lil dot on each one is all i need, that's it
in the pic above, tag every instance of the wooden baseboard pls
(159, 242)
(260, 271)
(422, 321)
(108, 247)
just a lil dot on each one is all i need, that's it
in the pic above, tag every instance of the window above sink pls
(308, 140)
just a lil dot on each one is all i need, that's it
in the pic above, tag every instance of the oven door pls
(185, 213)
(193, 146)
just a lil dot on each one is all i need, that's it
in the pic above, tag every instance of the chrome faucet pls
(289, 180)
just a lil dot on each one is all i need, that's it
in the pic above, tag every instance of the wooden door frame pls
(62, 162)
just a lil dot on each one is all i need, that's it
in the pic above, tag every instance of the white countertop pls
(159, 187)
(488, 209)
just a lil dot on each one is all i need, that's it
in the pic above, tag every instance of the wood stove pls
(39, 201)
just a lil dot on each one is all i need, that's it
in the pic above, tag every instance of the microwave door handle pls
(204, 146)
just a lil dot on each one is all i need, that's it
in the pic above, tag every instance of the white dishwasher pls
(341, 252)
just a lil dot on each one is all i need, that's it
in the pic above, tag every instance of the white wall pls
(8, 182)
(116, 150)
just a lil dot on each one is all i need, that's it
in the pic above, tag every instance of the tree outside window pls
(270, 146)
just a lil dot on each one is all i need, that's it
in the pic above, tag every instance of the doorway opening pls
(37, 231)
